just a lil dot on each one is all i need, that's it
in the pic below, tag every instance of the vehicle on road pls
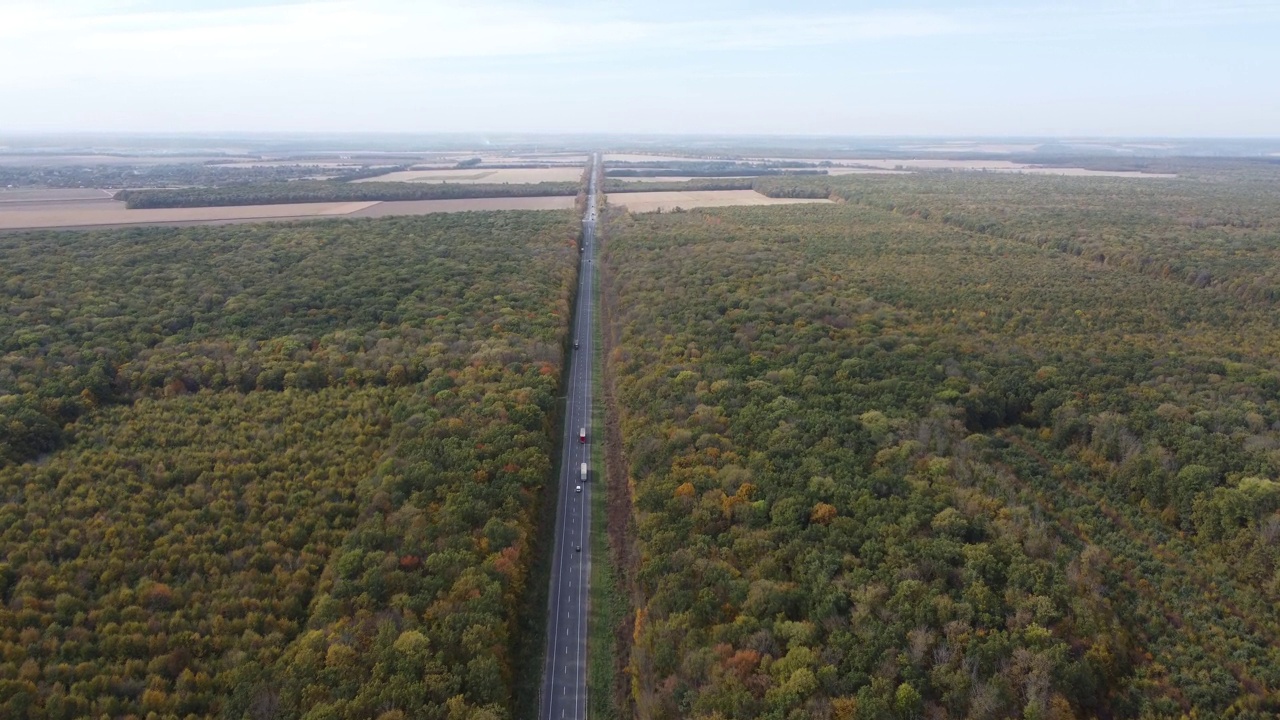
(578, 489)
(584, 472)
(575, 344)
(582, 435)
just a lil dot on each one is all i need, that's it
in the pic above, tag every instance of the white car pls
(579, 489)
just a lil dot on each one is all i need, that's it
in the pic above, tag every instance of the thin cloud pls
(432, 64)
(104, 39)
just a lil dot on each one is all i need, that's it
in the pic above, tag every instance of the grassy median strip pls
(608, 606)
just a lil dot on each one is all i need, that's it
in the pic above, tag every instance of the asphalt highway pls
(564, 679)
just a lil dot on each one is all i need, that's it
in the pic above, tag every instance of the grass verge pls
(608, 605)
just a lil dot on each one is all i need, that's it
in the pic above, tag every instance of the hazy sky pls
(1137, 68)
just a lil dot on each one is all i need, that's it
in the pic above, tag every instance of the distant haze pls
(1180, 68)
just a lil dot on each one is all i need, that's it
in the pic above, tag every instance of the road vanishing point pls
(564, 678)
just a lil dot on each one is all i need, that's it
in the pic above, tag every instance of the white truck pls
(584, 472)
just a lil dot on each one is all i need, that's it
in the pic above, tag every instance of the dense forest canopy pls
(276, 470)
(1216, 226)
(957, 446)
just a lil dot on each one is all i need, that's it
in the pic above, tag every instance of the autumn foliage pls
(274, 471)
(1010, 453)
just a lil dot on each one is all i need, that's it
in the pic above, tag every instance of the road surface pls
(564, 676)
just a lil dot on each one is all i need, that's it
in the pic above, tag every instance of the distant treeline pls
(735, 171)
(612, 185)
(711, 168)
(321, 191)
(720, 163)
(368, 172)
(175, 175)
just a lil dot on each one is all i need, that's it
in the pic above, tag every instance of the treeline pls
(302, 469)
(612, 185)
(710, 164)
(709, 168)
(707, 172)
(793, 188)
(125, 175)
(885, 467)
(367, 172)
(325, 191)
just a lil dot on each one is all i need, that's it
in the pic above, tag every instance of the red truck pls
(582, 435)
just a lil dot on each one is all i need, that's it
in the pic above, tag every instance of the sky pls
(1121, 68)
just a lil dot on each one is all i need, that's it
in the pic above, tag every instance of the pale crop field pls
(965, 146)
(572, 173)
(289, 164)
(638, 157)
(997, 166)
(641, 202)
(1081, 172)
(857, 166)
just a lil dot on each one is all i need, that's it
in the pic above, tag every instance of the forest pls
(612, 185)
(308, 191)
(957, 446)
(276, 471)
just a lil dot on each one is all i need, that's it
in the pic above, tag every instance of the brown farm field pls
(89, 213)
(98, 213)
(424, 207)
(642, 202)
(12, 197)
